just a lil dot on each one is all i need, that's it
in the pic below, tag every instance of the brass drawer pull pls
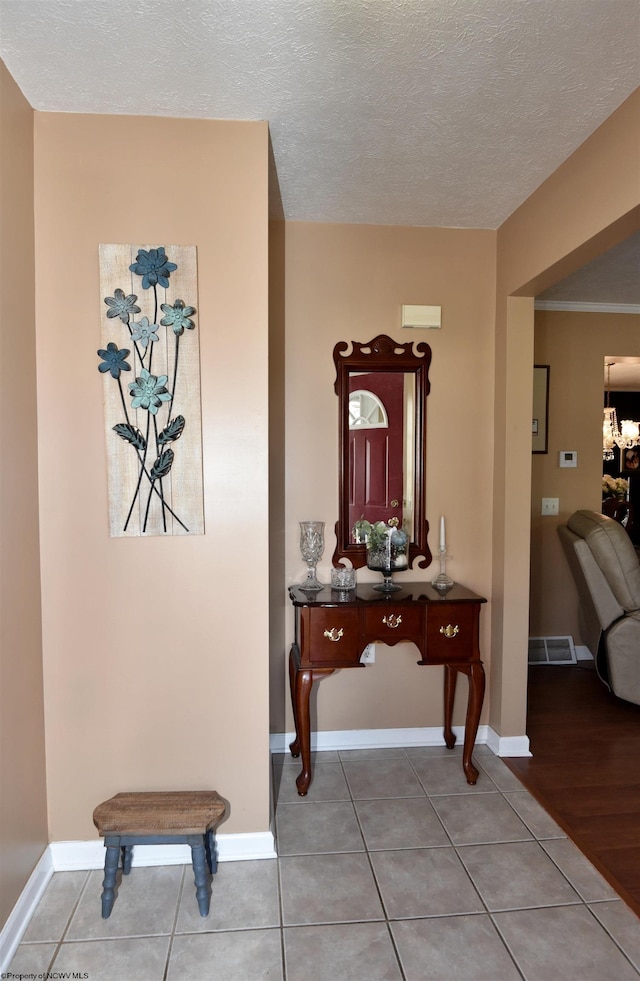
(334, 634)
(450, 631)
(393, 620)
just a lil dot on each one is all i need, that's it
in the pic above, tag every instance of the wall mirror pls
(382, 390)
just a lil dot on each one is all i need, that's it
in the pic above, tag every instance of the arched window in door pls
(375, 447)
(366, 411)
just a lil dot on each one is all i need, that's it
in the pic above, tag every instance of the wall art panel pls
(150, 362)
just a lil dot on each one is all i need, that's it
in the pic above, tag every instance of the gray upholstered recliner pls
(606, 570)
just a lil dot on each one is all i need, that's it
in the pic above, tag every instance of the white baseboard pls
(69, 856)
(508, 745)
(245, 847)
(66, 856)
(385, 738)
(371, 738)
(583, 653)
(20, 915)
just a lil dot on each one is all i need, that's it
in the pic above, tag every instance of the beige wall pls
(348, 282)
(511, 528)
(586, 206)
(279, 606)
(155, 650)
(23, 805)
(575, 346)
(591, 202)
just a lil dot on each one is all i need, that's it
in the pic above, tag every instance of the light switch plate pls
(550, 505)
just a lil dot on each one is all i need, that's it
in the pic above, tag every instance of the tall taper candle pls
(443, 543)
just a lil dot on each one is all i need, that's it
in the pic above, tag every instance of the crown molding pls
(574, 307)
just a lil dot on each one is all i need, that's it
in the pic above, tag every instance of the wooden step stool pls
(159, 818)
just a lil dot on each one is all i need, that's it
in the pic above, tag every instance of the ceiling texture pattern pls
(611, 278)
(413, 112)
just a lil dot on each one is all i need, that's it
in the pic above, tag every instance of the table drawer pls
(333, 636)
(452, 632)
(389, 624)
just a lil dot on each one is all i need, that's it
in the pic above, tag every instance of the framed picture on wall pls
(539, 429)
(630, 461)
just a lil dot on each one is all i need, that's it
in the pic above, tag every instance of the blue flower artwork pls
(154, 267)
(155, 484)
(121, 306)
(114, 360)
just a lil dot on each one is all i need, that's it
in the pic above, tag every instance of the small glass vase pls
(386, 558)
(311, 548)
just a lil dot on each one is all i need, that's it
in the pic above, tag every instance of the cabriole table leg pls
(475, 672)
(303, 684)
(294, 666)
(301, 679)
(450, 678)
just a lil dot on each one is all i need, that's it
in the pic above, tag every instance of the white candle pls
(443, 544)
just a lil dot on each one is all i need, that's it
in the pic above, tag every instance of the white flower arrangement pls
(614, 486)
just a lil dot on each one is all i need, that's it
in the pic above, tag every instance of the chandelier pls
(625, 435)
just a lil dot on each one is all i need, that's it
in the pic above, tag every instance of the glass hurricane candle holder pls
(442, 582)
(311, 548)
(343, 579)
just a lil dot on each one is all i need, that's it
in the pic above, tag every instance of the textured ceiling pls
(611, 278)
(621, 374)
(414, 112)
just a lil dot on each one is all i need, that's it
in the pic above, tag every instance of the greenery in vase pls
(385, 540)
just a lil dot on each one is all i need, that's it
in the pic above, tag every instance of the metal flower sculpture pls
(121, 306)
(154, 267)
(149, 392)
(114, 360)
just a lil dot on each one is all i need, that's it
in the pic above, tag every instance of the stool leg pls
(212, 855)
(111, 862)
(201, 878)
(127, 858)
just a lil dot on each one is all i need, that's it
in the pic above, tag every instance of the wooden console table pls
(332, 629)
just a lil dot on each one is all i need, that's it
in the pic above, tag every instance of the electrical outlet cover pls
(368, 654)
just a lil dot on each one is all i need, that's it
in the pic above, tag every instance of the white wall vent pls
(552, 650)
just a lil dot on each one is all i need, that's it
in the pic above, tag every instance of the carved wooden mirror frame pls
(382, 354)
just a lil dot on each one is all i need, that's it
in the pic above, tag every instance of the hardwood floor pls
(585, 768)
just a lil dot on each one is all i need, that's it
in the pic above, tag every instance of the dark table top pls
(418, 592)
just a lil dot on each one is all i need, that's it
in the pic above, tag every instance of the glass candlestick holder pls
(311, 548)
(442, 582)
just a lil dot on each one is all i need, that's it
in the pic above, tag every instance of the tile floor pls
(391, 868)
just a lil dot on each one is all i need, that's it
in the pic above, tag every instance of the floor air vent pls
(552, 650)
